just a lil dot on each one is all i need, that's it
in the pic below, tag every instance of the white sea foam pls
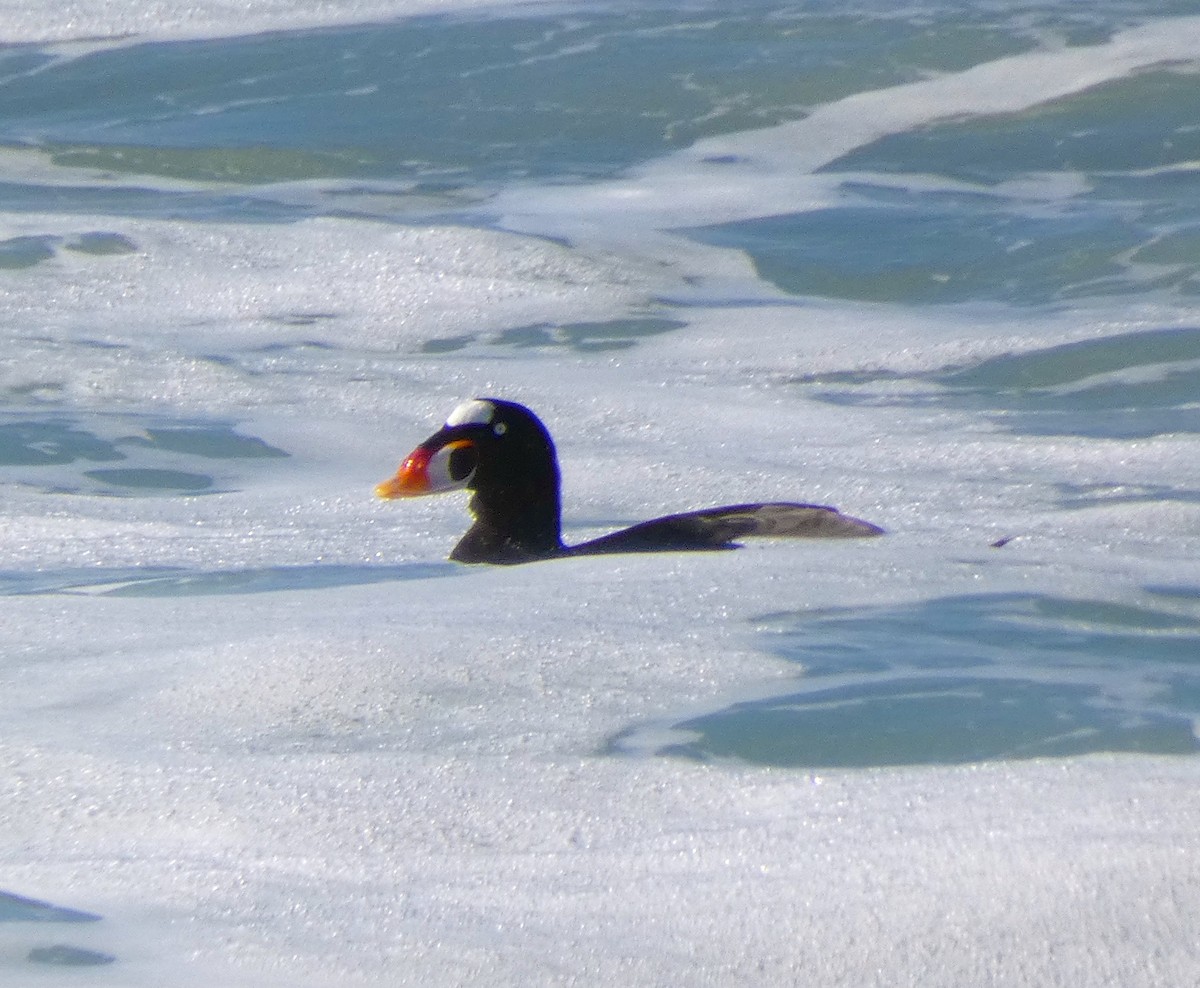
(399, 783)
(367, 786)
(402, 782)
(80, 25)
(232, 285)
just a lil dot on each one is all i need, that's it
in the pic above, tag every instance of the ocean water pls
(937, 264)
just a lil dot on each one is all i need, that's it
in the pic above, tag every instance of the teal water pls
(969, 679)
(57, 454)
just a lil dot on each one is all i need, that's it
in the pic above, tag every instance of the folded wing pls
(721, 528)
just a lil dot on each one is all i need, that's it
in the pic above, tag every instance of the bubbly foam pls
(269, 736)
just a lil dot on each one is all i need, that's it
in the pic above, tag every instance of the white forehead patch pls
(474, 412)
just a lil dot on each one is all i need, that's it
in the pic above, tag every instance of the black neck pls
(514, 524)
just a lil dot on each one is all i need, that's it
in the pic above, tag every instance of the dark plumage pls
(501, 452)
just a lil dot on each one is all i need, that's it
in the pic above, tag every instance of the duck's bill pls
(431, 469)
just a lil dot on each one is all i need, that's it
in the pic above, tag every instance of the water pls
(937, 265)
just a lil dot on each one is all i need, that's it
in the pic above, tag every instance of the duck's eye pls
(462, 461)
(499, 428)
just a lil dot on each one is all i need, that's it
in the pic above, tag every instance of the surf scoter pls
(501, 451)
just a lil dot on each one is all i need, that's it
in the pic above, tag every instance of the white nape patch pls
(474, 412)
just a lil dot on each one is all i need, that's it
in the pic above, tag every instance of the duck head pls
(501, 452)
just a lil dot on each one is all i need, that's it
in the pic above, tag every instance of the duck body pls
(504, 455)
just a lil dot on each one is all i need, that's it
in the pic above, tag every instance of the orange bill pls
(411, 480)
